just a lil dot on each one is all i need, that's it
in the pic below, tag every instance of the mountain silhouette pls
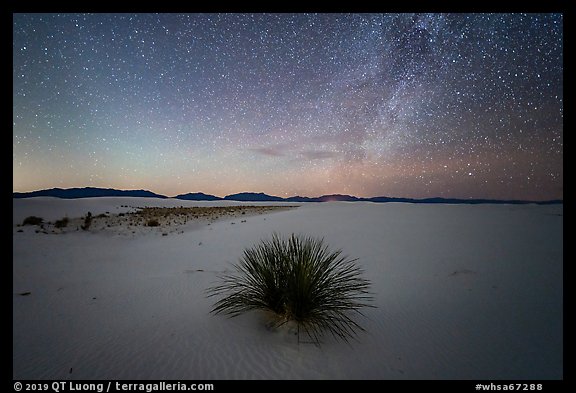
(87, 192)
(301, 199)
(198, 196)
(91, 192)
(253, 197)
(339, 198)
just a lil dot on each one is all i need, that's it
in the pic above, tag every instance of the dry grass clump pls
(33, 220)
(62, 223)
(153, 223)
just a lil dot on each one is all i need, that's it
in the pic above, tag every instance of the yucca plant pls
(298, 279)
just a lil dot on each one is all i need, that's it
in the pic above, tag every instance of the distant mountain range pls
(91, 192)
(253, 197)
(197, 196)
(87, 192)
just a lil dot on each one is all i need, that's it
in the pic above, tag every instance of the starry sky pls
(405, 105)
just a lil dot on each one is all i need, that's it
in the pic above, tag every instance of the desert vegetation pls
(153, 223)
(87, 221)
(298, 279)
(33, 220)
(62, 223)
(147, 219)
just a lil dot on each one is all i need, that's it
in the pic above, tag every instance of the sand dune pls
(462, 292)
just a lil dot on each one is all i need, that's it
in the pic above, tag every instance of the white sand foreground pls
(462, 292)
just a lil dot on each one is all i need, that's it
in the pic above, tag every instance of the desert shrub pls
(61, 223)
(153, 223)
(298, 279)
(33, 220)
(87, 221)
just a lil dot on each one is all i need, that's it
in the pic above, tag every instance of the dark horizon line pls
(81, 192)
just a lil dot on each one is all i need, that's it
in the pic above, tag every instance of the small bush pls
(87, 221)
(298, 279)
(153, 223)
(61, 223)
(33, 220)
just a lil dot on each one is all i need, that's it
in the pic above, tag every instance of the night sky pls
(405, 105)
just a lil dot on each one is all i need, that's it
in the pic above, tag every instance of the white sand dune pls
(462, 292)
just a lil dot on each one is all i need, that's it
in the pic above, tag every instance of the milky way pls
(408, 105)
